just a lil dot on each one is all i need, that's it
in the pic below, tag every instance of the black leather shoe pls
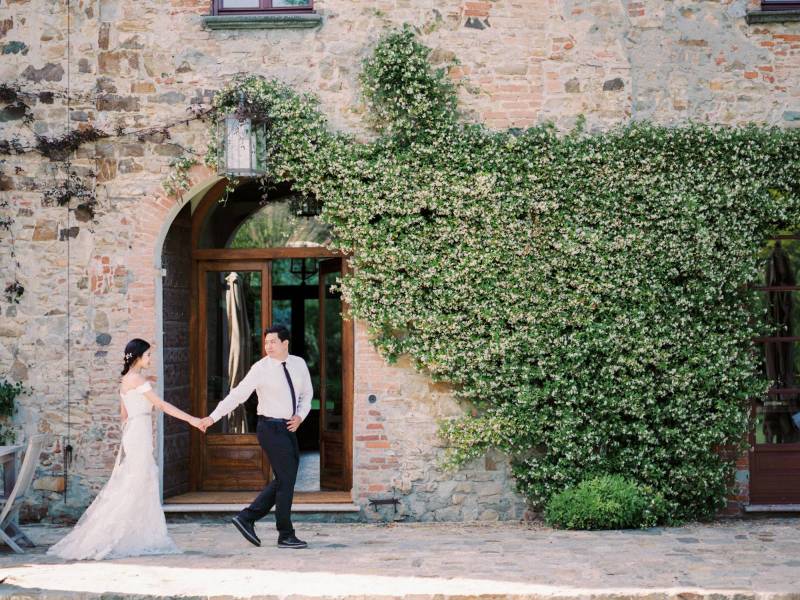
(247, 530)
(290, 541)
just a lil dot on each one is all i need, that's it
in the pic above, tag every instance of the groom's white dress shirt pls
(268, 380)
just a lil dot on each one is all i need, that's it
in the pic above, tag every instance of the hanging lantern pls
(244, 145)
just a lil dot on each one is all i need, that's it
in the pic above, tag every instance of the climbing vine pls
(178, 179)
(13, 289)
(586, 294)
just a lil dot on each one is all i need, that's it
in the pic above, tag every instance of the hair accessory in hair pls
(128, 355)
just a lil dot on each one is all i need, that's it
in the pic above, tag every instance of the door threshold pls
(755, 508)
(243, 498)
(235, 508)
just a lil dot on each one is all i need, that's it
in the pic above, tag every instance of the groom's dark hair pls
(281, 330)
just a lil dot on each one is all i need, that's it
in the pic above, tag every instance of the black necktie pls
(291, 388)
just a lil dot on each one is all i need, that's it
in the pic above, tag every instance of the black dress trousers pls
(283, 452)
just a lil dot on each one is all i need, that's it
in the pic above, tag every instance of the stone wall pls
(92, 283)
(397, 454)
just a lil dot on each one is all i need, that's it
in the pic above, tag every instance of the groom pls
(283, 385)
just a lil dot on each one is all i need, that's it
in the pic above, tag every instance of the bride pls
(126, 518)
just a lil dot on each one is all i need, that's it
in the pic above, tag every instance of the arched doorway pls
(257, 262)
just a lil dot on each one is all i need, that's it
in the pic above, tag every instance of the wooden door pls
(775, 439)
(233, 312)
(333, 463)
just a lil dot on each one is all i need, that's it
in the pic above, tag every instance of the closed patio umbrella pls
(238, 346)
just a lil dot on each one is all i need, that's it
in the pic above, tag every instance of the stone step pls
(235, 508)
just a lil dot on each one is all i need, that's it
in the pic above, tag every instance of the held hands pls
(206, 422)
(201, 424)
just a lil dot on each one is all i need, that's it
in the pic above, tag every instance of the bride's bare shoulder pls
(131, 381)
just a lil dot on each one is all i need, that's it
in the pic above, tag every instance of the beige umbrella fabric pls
(239, 346)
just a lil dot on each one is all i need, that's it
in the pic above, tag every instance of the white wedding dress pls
(126, 518)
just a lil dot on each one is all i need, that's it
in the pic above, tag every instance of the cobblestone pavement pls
(740, 559)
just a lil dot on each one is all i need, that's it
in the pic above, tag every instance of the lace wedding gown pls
(126, 518)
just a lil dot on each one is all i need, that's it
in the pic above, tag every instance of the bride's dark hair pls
(133, 350)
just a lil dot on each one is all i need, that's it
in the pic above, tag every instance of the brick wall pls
(396, 452)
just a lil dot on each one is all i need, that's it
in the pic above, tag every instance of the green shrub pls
(606, 502)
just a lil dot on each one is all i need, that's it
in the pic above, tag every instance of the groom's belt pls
(272, 419)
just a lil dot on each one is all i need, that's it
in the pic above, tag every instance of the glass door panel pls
(233, 342)
(233, 312)
(778, 419)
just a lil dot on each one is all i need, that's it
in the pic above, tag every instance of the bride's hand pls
(201, 424)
